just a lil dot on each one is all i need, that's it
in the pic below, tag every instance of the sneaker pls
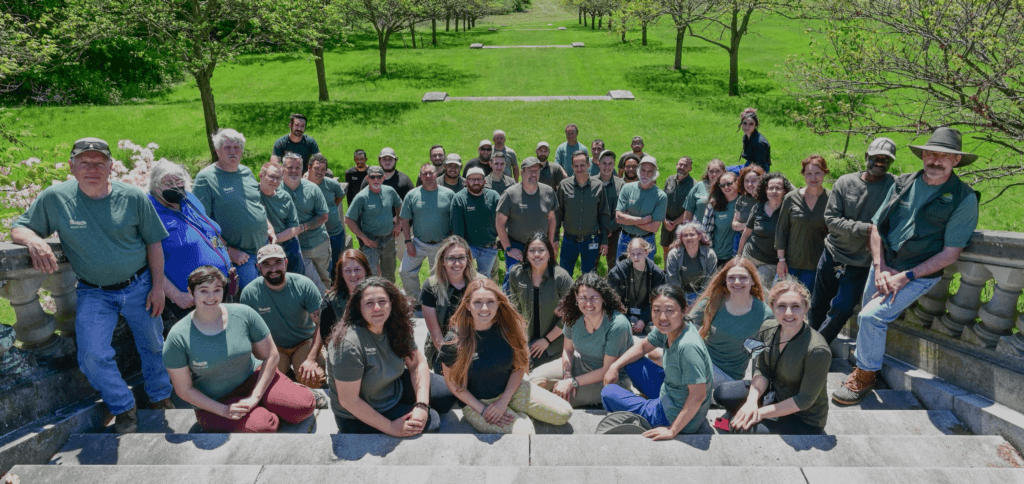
(320, 396)
(126, 422)
(857, 386)
(164, 404)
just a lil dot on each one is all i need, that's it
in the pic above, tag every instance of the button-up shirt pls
(583, 210)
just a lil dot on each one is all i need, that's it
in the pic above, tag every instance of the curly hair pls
(743, 176)
(718, 290)
(398, 327)
(762, 188)
(790, 284)
(610, 301)
(717, 198)
(510, 322)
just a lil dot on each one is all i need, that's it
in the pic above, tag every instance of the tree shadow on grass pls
(264, 59)
(653, 46)
(402, 40)
(420, 76)
(259, 119)
(689, 82)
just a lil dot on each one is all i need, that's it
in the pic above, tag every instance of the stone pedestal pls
(962, 308)
(932, 305)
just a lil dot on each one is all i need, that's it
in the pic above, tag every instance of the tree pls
(328, 27)
(732, 19)
(902, 66)
(386, 17)
(644, 12)
(24, 47)
(684, 13)
(199, 35)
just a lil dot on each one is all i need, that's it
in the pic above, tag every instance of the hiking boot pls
(164, 404)
(127, 422)
(856, 387)
(320, 396)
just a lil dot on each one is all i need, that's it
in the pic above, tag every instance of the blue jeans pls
(337, 247)
(647, 377)
(587, 251)
(509, 262)
(624, 239)
(805, 276)
(294, 253)
(876, 314)
(94, 327)
(485, 257)
(835, 295)
(247, 272)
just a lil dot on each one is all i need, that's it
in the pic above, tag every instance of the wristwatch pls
(575, 383)
(911, 276)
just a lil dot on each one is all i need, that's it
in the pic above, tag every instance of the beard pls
(475, 189)
(542, 158)
(275, 278)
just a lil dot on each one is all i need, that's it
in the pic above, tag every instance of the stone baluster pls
(962, 307)
(32, 326)
(997, 315)
(61, 285)
(932, 305)
(1013, 344)
(8, 359)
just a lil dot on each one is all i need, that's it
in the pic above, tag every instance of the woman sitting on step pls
(379, 381)
(444, 291)
(215, 356)
(681, 389)
(349, 270)
(596, 334)
(485, 358)
(536, 286)
(787, 394)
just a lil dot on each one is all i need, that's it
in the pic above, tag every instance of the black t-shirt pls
(399, 181)
(354, 178)
(429, 299)
(306, 147)
(492, 363)
(476, 163)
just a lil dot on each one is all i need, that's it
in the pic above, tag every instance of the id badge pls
(634, 311)
(595, 246)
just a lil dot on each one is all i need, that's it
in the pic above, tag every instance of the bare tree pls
(731, 19)
(684, 13)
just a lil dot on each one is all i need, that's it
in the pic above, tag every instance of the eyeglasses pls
(455, 260)
(275, 179)
(881, 159)
(375, 177)
(486, 149)
(591, 300)
(727, 184)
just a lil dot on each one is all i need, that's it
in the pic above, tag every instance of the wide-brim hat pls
(945, 140)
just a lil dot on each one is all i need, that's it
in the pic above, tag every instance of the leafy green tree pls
(684, 13)
(731, 19)
(643, 12)
(386, 17)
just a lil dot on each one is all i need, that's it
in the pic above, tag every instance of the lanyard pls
(776, 344)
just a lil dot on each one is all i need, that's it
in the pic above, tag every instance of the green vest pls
(929, 224)
(441, 309)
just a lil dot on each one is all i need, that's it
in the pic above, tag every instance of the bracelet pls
(782, 259)
(546, 339)
(422, 405)
(408, 241)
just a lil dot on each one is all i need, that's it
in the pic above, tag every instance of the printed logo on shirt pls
(229, 189)
(946, 198)
(421, 204)
(470, 208)
(370, 206)
(632, 200)
(523, 206)
(75, 224)
(200, 365)
(263, 310)
(370, 350)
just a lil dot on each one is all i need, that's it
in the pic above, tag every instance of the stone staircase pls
(890, 437)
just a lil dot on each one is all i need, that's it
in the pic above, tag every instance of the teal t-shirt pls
(430, 213)
(280, 210)
(232, 199)
(697, 200)
(901, 227)
(221, 362)
(375, 211)
(105, 240)
(332, 191)
(309, 204)
(286, 311)
(686, 362)
(367, 358)
(727, 334)
(724, 234)
(563, 155)
(612, 338)
(639, 203)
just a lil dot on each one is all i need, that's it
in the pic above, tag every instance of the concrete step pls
(956, 475)
(773, 450)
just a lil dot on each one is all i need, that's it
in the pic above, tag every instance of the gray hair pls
(226, 134)
(702, 235)
(289, 156)
(164, 169)
(495, 133)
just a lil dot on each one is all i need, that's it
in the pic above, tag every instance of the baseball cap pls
(476, 170)
(544, 144)
(638, 138)
(375, 170)
(882, 146)
(270, 251)
(387, 152)
(531, 160)
(90, 144)
(649, 159)
(453, 159)
(484, 142)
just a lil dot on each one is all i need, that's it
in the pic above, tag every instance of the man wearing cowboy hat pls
(911, 241)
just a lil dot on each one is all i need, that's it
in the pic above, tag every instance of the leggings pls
(283, 400)
(732, 395)
(441, 401)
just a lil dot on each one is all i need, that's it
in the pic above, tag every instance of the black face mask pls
(173, 195)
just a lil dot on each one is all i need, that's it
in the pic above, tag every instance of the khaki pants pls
(548, 374)
(528, 401)
(320, 256)
(410, 269)
(294, 357)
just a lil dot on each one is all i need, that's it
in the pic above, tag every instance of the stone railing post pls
(962, 307)
(932, 305)
(997, 315)
(34, 329)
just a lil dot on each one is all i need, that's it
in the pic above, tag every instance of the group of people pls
(753, 267)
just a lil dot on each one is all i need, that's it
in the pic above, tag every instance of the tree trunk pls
(382, 46)
(448, 22)
(581, 16)
(593, 16)
(623, 36)
(209, 107)
(412, 32)
(734, 72)
(321, 73)
(600, 21)
(609, 24)
(643, 34)
(584, 19)
(680, 33)
(456, 23)
(433, 31)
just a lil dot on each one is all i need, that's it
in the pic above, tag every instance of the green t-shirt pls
(232, 199)
(221, 362)
(724, 234)
(368, 358)
(280, 210)
(563, 155)
(430, 213)
(612, 338)
(801, 230)
(901, 226)
(332, 191)
(761, 243)
(375, 212)
(527, 214)
(309, 204)
(728, 332)
(744, 204)
(105, 240)
(473, 217)
(286, 311)
(641, 202)
(686, 362)
(697, 200)
(499, 185)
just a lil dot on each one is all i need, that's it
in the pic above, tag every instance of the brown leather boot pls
(856, 387)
